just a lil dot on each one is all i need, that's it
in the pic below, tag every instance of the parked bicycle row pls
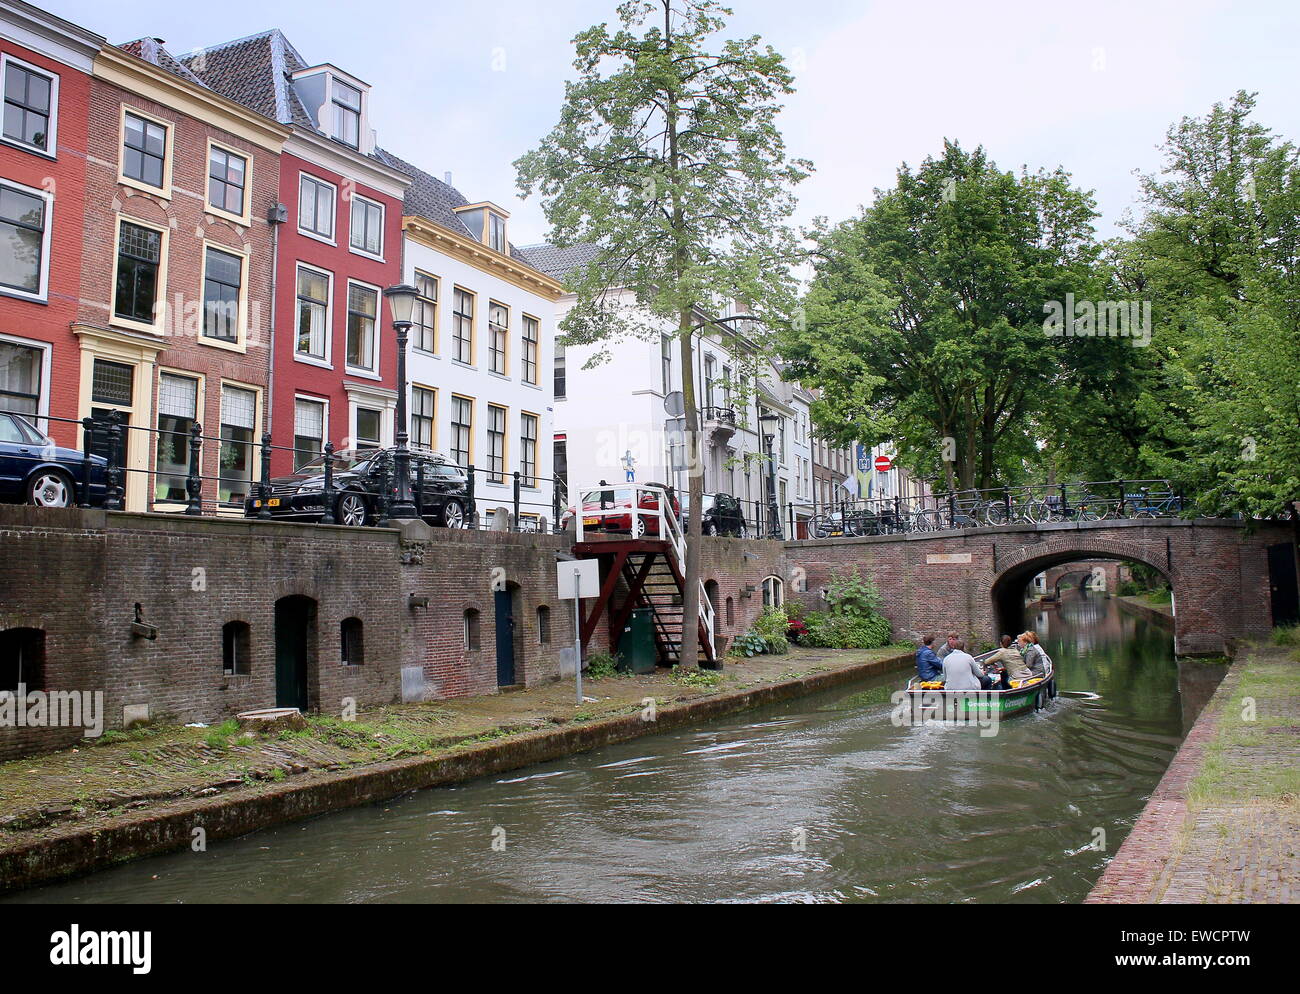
(1104, 500)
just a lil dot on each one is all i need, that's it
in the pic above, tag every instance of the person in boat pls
(1008, 662)
(961, 672)
(1034, 657)
(928, 666)
(948, 646)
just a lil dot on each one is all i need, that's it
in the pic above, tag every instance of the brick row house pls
(45, 74)
(339, 246)
(176, 288)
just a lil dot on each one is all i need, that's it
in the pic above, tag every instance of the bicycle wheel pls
(995, 513)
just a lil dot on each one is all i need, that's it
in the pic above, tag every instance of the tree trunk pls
(695, 489)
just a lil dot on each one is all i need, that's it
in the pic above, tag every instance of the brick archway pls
(1008, 587)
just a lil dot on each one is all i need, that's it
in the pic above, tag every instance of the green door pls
(294, 620)
(636, 645)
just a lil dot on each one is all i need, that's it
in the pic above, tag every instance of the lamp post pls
(774, 513)
(401, 299)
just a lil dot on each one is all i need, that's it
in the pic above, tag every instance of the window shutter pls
(177, 396)
(309, 419)
(238, 407)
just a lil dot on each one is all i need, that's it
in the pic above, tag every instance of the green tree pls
(667, 158)
(1220, 248)
(924, 322)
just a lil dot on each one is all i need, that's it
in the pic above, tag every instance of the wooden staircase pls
(651, 567)
(653, 579)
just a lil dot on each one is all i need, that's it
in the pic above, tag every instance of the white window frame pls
(47, 352)
(245, 217)
(52, 138)
(369, 374)
(159, 324)
(42, 294)
(240, 344)
(383, 219)
(325, 419)
(334, 209)
(310, 360)
(164, 191)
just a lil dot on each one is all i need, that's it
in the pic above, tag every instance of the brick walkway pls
(1223, 826)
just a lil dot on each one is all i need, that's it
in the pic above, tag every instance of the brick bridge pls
(1081, 574)
(974, 580)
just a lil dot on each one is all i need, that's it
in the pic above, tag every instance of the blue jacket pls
(928, 666)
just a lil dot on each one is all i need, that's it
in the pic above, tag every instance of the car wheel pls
(453, 515)
(710, 528)
(50, 488)
(638, 526)
(352, 510)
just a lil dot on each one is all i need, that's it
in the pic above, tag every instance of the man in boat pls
(1033, 655)
(948, 646)
(961, 672)
(928, 666)
(1008, 662)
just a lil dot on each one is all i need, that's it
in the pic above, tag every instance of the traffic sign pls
(883, 464)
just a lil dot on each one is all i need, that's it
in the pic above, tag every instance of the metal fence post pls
(952, 509)
(386, 492)
(515, 519)
(555, 505)
(327, 491)
(87, 450)
(194, 482)
(472, 519)
(419, 488)
(264, 511)
(113, 499)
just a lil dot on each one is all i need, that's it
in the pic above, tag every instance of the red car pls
(609, 509)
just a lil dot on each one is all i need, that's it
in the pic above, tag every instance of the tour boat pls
(1029, 695)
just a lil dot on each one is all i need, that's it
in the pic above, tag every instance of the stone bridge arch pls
(1007, 586)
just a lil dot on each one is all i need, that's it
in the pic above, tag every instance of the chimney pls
(446, 177)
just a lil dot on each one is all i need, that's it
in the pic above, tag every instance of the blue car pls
(34, 470)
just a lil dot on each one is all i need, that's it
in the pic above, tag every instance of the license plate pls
(273, 502)
(590, 522)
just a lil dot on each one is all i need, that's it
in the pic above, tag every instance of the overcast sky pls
(1090, 85)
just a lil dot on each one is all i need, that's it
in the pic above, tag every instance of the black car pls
(439, 489)
(35, 470)
(722, 514)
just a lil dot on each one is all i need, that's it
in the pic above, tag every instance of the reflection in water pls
(819, 800)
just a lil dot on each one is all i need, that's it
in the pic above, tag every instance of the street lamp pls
(774, 512)
(401, 300)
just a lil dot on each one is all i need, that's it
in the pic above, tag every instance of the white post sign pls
(576, 579)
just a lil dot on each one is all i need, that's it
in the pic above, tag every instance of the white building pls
(481, 348)
(614, 412)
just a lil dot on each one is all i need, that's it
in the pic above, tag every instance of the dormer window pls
(486, 224)
(336, 103)
(347, 114)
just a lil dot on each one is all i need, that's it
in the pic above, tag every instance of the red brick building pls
(174, 322)
(340, 246)
(45, 66)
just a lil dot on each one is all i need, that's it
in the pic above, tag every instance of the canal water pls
(818, 800)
